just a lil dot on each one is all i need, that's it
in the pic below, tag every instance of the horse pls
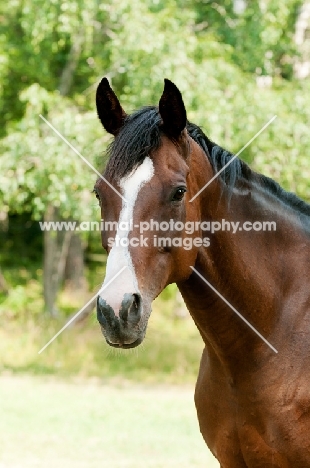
(246, 288)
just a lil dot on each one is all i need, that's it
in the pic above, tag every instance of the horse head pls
(150, 230)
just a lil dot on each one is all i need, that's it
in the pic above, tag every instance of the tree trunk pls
(75, 279)
(56, 246)
(74, 271)
(66, 77)
(3, 285)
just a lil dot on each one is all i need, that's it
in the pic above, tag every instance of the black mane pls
(141, 134)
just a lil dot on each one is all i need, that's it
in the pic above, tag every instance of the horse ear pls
(109, 110)
(172, 110)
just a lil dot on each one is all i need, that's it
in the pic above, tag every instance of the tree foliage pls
(211, 51)
(52, 55)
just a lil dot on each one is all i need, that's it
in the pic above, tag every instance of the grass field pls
(52, 423)
(169, 354)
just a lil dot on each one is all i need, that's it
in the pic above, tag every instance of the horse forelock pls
(137, 139)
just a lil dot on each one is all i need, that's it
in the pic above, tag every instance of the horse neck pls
(253, 271)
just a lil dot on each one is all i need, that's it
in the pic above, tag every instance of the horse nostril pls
(131, 308)
(136, 300)
(105, 313)
(135, 310)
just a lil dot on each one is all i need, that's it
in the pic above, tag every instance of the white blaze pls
(119, 255)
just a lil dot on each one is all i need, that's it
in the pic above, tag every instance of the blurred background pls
(237, 63)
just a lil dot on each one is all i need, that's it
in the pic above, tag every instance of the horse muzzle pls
(121, 328)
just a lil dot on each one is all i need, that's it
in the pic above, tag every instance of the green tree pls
(51, 62)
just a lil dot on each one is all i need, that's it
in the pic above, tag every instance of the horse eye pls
(179, 194)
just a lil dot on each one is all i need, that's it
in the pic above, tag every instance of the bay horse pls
(252, 400)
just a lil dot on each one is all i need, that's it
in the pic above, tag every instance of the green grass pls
(51, 423)
(170, 352)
